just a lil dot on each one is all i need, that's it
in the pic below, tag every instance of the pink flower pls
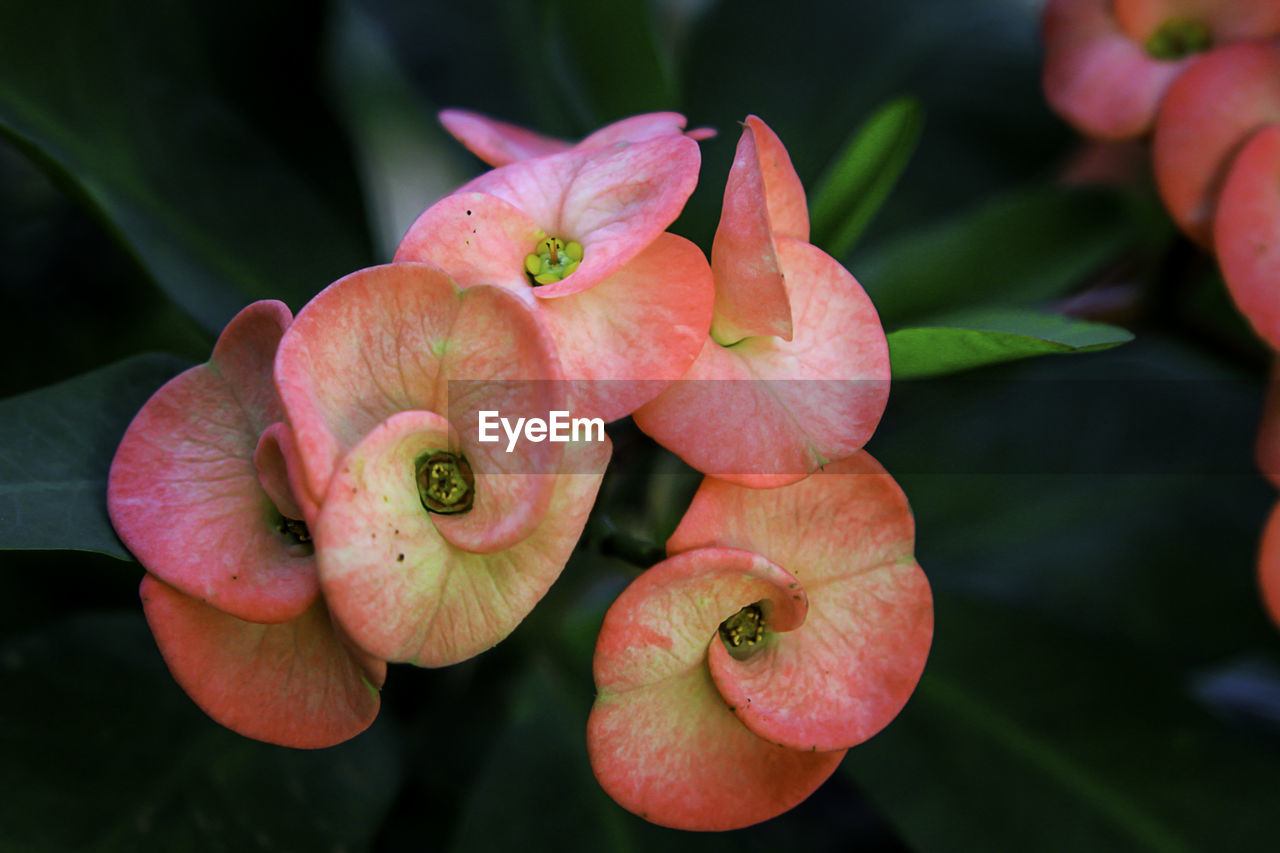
(1108, 64)
(1222, 99)
(1269, 566)
(732, 677)
(579, 237)
(499, 143)
(1246, 232)
(199, 491)
(795, 372)
(432, 544)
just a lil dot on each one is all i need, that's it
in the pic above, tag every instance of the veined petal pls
(614, 201)
(405, 593)
(1209, 112)
(766, 412)
(184, 493)
(662, 741)
(403, 337)
(1096, 75)
(498, 142)
(1247, 232)
(849, 669)
(295, 683)
(751, 293)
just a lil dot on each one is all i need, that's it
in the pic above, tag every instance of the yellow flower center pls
(552, 260)
(445, 483)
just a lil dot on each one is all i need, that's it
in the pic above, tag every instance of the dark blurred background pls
(1102, 677)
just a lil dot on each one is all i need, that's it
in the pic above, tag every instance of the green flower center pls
(743, 629)
(294, 530)
(445, 483)
(552, 260)
(1179, 37)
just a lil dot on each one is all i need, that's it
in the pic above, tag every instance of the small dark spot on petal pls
(399, 558)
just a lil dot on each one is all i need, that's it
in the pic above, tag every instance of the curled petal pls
(395, 580)
(1209, 112)
(614, 201)
(497, 142)
(1247, 232)
(765, 412)
(403, 337)
(1096, 75)
(843, 675)
(1269, 566)
(295, 683)
(641, 127)
(184, 493)
(662, 742)
(751, 293)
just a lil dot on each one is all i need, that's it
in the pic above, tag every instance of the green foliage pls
(858, 182)
(56, 446)
(980, 337)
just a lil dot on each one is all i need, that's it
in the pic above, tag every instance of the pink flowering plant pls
(627, 426)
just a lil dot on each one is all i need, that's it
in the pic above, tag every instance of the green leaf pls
(103, 752)
(1019, 250)
(119, 100)
(860, 178)
(973, 339)
(1022, 736)
(56, 446)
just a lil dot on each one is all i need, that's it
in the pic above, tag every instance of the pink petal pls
(294, 684)
(783, 192)
(1247, 232)
(402, 337)
(636, 331)
(399, 588)
(1269, 566)
(641, 127)
(624, 337)
(839, 678)
(184, 493)
(497, 142)
(613, 201)
(1207, 115)
(751, 294)
(1227, 20)
(1096, 75)
(765, 412)
(662, 741)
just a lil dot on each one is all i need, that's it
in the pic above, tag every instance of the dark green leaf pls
(976, 338)
(56, 446)
(103, 752)
(1018, 250)
(860, 178)
(1022, 736)
(118, 98)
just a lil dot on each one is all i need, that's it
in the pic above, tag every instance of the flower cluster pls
(323, 497)
(1202, 77)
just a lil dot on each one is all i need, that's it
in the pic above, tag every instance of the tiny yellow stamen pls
(553, 260)
(743, 630)
(445, 483)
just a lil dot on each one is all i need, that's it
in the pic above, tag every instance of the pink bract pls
(200, 493)
(1269, 566)
(499, 143)
(1096, 75)
(387, 368)
(691, 734)
(1247, 232)
(633, 315)
(767, 409)
(1221, 100)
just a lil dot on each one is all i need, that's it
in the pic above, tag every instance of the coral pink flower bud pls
(578, 236)
(1246, 232)
(499, 143)
(1269, 566)
(810, 380)
(1221, 100)
(732, 676)
(433, 543)
(200, 492)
